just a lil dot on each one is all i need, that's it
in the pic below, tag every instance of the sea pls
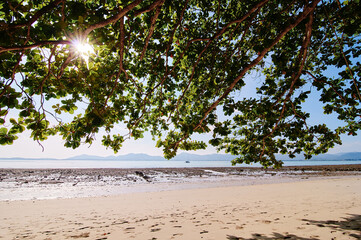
(51, 163)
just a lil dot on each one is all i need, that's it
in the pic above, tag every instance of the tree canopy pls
(172, 68)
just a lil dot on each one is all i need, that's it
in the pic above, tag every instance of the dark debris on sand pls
(56, 176)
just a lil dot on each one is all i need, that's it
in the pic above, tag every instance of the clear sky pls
(53, 148)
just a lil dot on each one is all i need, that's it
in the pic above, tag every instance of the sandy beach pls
(313, 207)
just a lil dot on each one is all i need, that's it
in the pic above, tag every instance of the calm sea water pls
(19, 163)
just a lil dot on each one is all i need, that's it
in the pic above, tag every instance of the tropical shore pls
(236, 203)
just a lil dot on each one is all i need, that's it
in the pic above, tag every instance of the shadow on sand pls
(351, 223)
(275, 236)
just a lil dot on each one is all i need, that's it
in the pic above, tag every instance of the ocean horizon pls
(52, 163)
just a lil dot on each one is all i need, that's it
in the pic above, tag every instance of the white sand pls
(317, 209)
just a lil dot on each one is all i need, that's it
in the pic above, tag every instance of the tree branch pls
(299, 19)
(112, 19)
(39, 44)
(36, 16)
(149, 8)
(64, 65)
(339, 41)
(122, 39)
(332, 86)
(151, 30)
(216, 36)
(254, 9)
(121, 57)
(301, 60)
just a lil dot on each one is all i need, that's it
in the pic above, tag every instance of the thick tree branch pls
(301, 62)
(149, 8)
(121, 43)
(221, 32)
(151, 30)
(297, 21)
(121, 55)
(168, 47)
(114, 18)
(210, 40)
(38, 44)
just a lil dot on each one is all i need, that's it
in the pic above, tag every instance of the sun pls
(84, 49)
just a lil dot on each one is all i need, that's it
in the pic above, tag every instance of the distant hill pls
(327, 157)
(350, 155)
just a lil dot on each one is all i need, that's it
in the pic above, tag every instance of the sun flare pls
(84, 50)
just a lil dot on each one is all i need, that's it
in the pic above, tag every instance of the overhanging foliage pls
(165, 66)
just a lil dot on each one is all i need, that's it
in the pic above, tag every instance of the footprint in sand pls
(266, 221)
(155, 229)
(177, 234)
(83, 235)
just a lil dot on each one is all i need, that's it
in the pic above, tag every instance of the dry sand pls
(327, 208)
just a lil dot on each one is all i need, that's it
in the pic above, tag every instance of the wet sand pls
(323, 203)
(30, 184)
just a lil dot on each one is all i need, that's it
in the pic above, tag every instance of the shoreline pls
(36, 184)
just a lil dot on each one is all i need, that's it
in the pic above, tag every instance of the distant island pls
(196, 157)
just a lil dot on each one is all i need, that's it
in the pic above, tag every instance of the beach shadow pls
(353, 222)
(257, 236)
(350, 223)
